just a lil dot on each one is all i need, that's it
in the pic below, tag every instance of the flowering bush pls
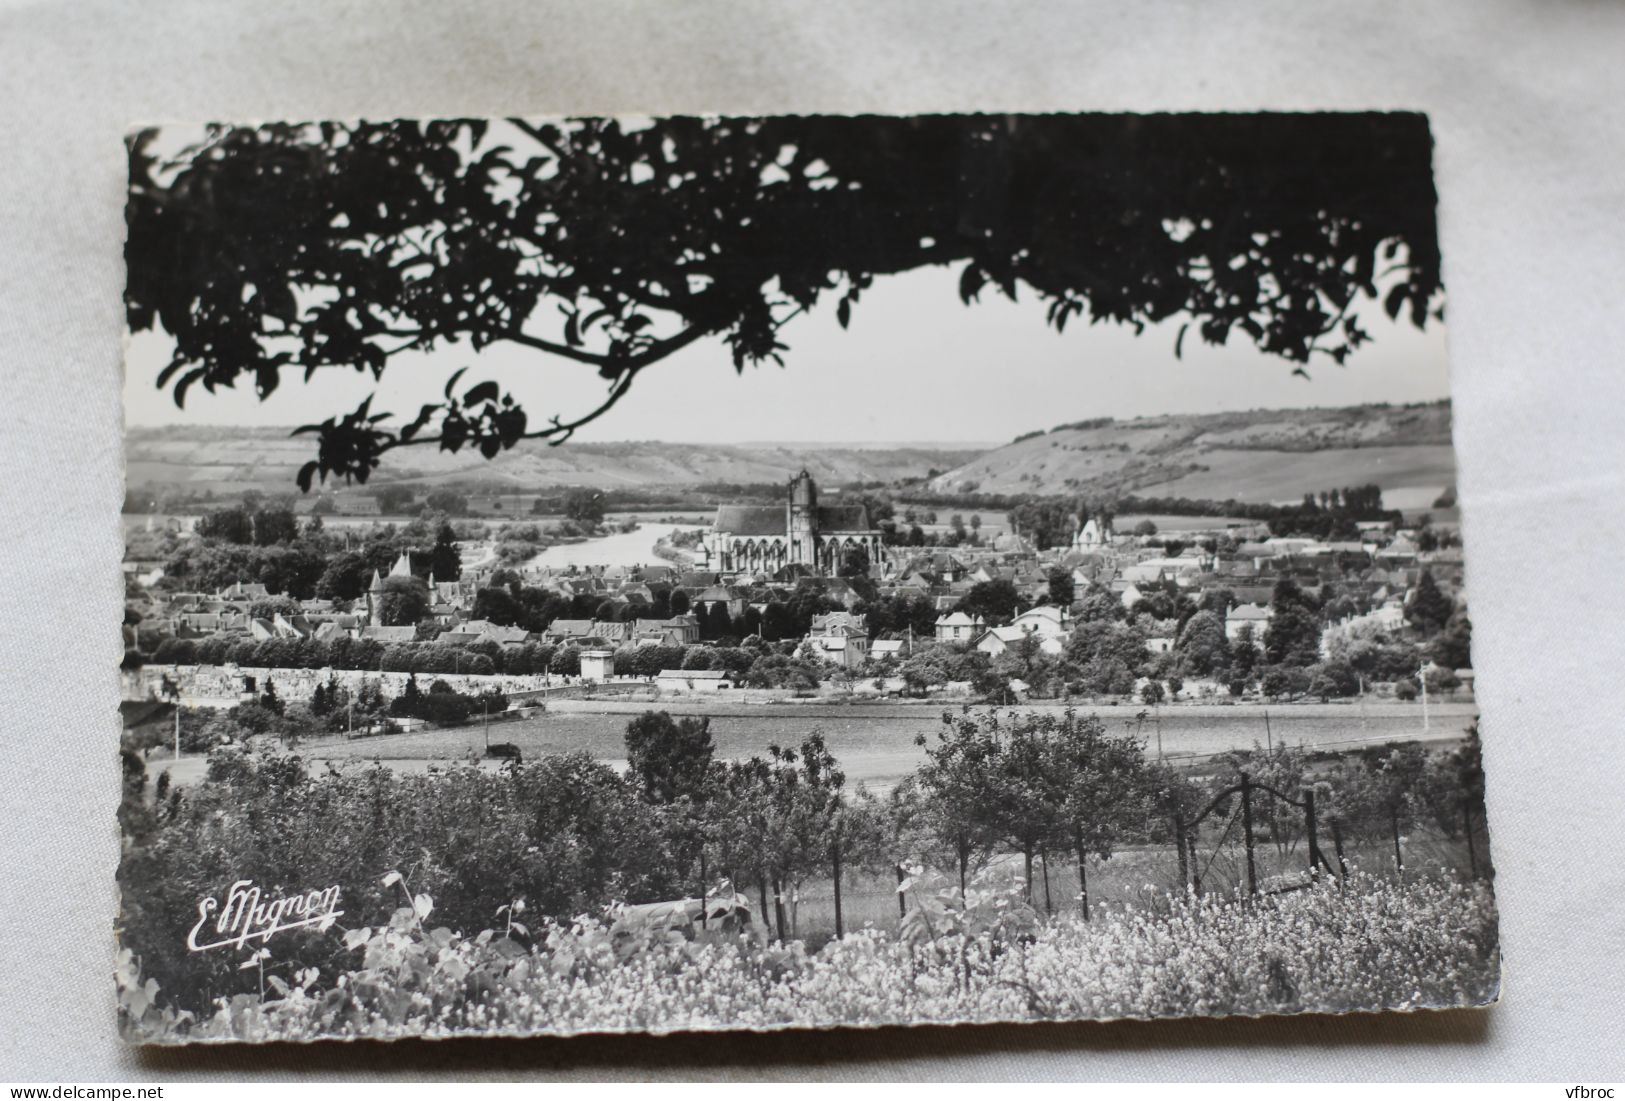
(1367, 944)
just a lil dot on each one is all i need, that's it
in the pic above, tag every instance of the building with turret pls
(375, 604)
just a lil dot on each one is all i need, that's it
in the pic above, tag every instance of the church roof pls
(843, 518)
(751, 519)
(758, 520)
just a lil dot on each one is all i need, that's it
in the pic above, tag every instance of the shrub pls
(1371, 944)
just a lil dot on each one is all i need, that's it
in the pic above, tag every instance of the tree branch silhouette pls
(298, 247)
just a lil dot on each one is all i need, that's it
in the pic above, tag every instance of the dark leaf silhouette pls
(340, 246)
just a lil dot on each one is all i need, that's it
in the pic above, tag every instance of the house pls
(374, 633)
(1400, 552)
(841, 638)
(1159, 644)
(636, 592)
(501, 635)
(841, 645)
(1000, 639)
(1386, 617)
(564, 630)
(824, 624)
(681, 630)
(1128, 592)
(841, 590)
(243, 590)
(693, 681)
(1093, 535)
(1046, 620)
(345, 505)
(958, 627)
(888, 649)
(1256, 616)
(612, 632)
(726, 595)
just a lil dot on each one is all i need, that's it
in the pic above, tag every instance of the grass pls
(1132, 876)
(876, 743)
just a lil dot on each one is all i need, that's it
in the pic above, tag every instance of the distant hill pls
(231, 460)
(1258, 455)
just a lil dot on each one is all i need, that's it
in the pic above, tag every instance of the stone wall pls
(203, 684)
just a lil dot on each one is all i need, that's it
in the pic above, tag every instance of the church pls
(766, 538)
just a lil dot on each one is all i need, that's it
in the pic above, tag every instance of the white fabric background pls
(1528, 107)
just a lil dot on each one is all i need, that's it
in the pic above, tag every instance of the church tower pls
(801, 520)
(375, 603)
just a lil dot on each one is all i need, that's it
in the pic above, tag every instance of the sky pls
(915, 366)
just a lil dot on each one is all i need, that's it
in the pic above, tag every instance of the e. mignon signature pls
(246, 916)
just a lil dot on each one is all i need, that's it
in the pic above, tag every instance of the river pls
(621, 548)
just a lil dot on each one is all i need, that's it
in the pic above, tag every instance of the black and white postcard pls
(681, 574)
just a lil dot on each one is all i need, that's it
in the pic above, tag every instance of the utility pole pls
(177, 730)
(485, 722)
(1422, 681)
(1269, 739)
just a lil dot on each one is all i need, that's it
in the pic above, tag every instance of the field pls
(876, 742)
(1259, 455)
(231, 460)
(1410, 477)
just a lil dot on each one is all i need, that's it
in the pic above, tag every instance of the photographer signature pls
(246, 916)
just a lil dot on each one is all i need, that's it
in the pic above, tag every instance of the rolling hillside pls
(230, 460)
(1260, 455)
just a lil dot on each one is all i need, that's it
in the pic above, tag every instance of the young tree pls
(1428, 609)
(585, 507)
(227, 525)
(1293, 634)
(1451, 790)
(1103, 787)
(997, 602)
(496, 605)
(1452, 648)
(785, 810)
(960, 785)
(1379, 797)
(1244, 653)
(273, 525)
(445, 559)
(1202, 645)
(669, 758)
(448, 501)
(403, 601)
